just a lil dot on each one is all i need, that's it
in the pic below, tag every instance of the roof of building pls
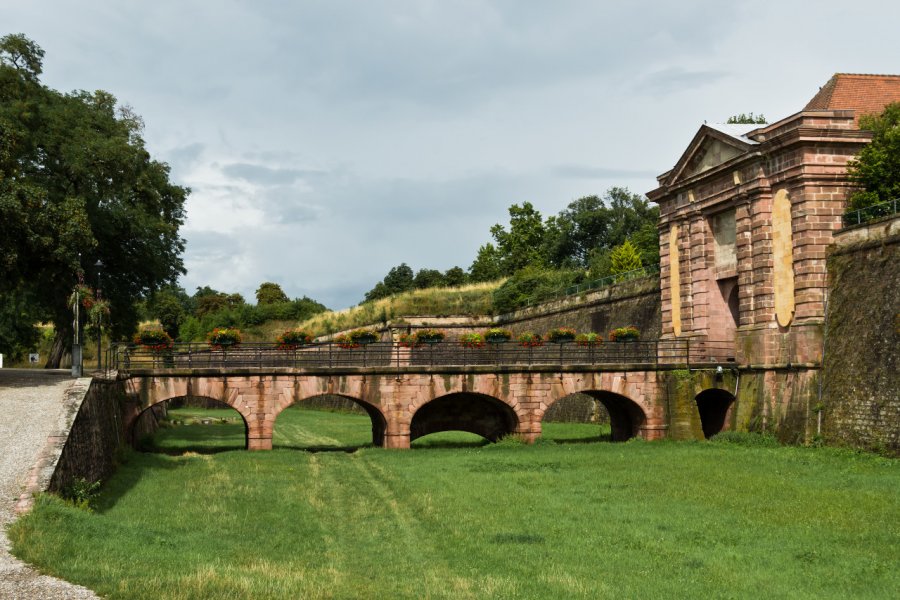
(737, 130)
(864, 94)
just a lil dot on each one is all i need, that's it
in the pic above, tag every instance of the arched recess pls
(713, 405)
(144, 423)
(465, 411)
(626, 417)
(576, 418)
(379, 423)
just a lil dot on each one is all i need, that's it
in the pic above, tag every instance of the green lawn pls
(554, 520)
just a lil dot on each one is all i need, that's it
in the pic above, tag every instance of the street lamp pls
(99, 266)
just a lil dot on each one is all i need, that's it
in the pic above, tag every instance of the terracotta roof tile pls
(864, 94)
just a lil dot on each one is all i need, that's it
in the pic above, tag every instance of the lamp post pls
(99, 266)
(76, 326)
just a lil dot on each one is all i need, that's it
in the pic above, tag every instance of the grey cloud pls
(588, 172)
(267, 175)
(677, 79)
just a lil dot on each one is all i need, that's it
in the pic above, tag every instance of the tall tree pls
(77, 186)
(523, 244)
(270, 293)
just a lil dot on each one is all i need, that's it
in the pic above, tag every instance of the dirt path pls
(30, 410)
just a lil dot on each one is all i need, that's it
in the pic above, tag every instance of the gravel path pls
(30, 409)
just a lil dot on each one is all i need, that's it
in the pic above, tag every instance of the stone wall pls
(861, 385)
(96, 436)
(635, 302)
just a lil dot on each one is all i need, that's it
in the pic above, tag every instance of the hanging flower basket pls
(153, 339)
(83, 294)
(356, 338)
(430, 336)
(530, 340)
(497, 335)
(561, 335)
(292, 339)
(407, 340)
(624, 334)
(472, 340)
(588, 339)
(223, 338)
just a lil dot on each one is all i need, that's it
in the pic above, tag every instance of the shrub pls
(622, 334)
(293, 339)
(533, 285)
(82, 493)
(153, 338)
(222, 338)
(530, 340)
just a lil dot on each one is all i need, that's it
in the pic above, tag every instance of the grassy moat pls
(571, 517)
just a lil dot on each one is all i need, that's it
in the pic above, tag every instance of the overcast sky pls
(327, 141)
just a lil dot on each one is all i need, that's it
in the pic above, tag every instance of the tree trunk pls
(57, 350)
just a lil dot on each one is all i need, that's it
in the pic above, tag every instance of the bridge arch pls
(379, 422)
(714, 405)
(473, 412)
(626, 417)
(134, 426)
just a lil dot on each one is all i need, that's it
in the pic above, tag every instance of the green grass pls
(552, 520)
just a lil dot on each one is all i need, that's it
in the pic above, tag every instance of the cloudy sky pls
(327, 141)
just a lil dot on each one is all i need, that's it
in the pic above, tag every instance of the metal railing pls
(328, 356)
(595, 284)
(870, 213)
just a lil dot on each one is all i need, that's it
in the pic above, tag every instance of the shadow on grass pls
(594, 439)
(349, 449)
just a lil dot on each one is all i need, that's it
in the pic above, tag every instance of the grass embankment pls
(633, 520)
(468, 300)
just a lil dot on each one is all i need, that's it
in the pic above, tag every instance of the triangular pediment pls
(709, 149)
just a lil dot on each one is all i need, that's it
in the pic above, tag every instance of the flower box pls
(294, 338)
(224, 338)
(530, 340)
(624, 334)
(561, 335)
(156, 340)
(497, 335)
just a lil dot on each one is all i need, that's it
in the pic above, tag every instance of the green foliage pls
(170, 306)
(76, 178)
(621, 334)
(399, 279)
(746, 438)
(242, 315)
(876, 169)
(532, 285)
(523, 245)
(746, 119)
(428, 278)
(487, 264)
(270, 293)
(19, 311)
(472, 340)
(82, 493)
(624, 258)
(455, 277)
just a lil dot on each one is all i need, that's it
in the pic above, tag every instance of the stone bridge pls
(404, 405)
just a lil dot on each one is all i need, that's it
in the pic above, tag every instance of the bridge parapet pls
(386, 355)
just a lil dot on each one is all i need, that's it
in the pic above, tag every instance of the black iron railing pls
(870, 213)
(445, 354)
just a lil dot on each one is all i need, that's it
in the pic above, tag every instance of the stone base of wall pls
(799, 344)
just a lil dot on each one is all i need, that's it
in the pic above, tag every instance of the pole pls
(99, 266)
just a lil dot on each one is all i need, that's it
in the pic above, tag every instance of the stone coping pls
(42, 472)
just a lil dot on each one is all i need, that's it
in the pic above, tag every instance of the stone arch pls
(626, 417)
(713, 405)
(134, 422)
(379, 422)
(476, 413)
